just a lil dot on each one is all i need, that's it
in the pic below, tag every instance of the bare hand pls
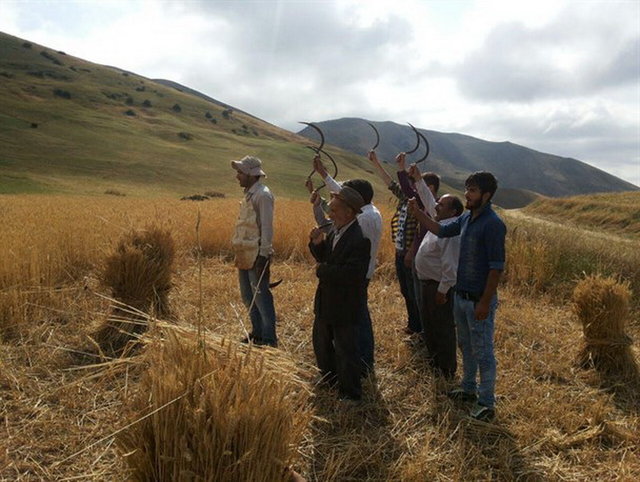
(316, 236)
(400, 159)
(319, 166)
(414, 172)
(309, 185)
(481, 310)
(372, 156)
(441, 298)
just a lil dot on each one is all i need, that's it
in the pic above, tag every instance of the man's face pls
(474, 197)
(243, 179)
(444, 209)
(339, 212)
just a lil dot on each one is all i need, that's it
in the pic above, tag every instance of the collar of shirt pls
(483, 210)
(252, 190)
(341, 231)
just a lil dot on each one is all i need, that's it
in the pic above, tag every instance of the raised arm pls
(384, 175)
(423, 191)
(422, 218)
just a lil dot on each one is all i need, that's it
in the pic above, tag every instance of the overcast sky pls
(560, 77)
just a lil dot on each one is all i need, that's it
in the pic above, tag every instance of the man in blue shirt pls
(482, 255)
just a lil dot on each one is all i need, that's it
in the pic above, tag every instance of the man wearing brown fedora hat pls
(252, 244)
(343, 261)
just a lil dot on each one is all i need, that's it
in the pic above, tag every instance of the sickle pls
(417, 137)
(426, 143)
(319, 149)
(377, 136)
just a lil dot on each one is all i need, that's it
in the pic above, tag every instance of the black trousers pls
(439, 329)
(338, 356)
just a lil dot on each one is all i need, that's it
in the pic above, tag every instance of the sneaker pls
(459, 395)
(482, 413)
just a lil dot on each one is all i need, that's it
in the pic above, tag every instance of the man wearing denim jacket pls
(482, 256)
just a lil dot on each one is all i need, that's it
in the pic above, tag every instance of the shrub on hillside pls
(50, 57)
(129, 100)
(146, 103)
(210, 410)
(176, 108)
(114, 192)
(65, 94)
(227, 113)
(130, 113)
(27, 45)
(214, 194)
(185, 135)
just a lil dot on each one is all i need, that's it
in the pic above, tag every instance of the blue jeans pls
(405, 278)
(262, 313)
(475, 339)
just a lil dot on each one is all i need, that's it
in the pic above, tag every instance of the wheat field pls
(555, 420)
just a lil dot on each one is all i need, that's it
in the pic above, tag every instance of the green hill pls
(71, 126)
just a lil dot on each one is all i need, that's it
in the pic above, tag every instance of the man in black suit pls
(343, 260)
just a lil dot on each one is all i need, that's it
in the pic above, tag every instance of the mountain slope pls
(454, 156)
(71, 126)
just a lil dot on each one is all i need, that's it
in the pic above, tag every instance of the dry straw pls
(602, 305)
(139, 275)
(219, 412)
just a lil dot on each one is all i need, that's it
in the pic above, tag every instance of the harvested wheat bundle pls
(602, 305)
(139, 276)
(210, 410)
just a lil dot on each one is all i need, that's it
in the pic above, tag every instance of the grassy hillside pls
(71, 126)
(615, 213)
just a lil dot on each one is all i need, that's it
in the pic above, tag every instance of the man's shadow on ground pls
(353, 441)
(490, 447)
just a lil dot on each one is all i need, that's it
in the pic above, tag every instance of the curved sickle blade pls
(417, 137)
(426, 143)
(335, 165)
(318, 130)
(377, 136)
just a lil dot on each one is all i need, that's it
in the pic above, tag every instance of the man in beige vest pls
(252, 243)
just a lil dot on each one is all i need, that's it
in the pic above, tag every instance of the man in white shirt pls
(370, 222)
(252, 243)
(436, 263)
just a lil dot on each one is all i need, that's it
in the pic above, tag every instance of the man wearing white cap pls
(252, 243)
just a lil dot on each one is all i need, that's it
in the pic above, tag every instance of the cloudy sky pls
(560, 77)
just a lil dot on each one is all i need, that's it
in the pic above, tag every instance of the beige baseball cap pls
(249, 165)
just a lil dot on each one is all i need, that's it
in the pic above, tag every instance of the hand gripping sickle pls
(319, 149)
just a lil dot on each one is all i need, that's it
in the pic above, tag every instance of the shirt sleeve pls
(449, 260)
(495, 234)
(405, 185)
(332, 185)
(426, 196)
(318, 214)
(394, 187)
(451, 229)
(264, 205)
